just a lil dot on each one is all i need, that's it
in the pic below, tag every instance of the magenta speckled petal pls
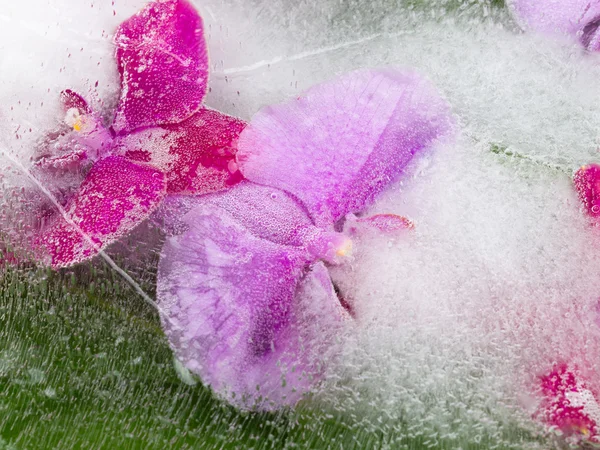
(587, 184)
(116, 195)
(235, 313)
(576, 18)
(390, 224)
(163, 62)
(342, 142)
(568, 405)
(71, 99)
(198, 154)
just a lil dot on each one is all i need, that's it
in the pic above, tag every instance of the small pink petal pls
(341, 143)
(116, 195)
(65, 161)
(198, 154)
(387, 223)
(163, 63)
(71, 99)
(587, 184)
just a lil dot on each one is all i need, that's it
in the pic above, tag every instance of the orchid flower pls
(245, 286)
(162, 140)
(579, 19)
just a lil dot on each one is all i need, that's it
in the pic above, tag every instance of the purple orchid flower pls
(244, 285)
(576, 18)
(162, 140)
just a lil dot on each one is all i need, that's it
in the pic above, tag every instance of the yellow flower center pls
(345, 249)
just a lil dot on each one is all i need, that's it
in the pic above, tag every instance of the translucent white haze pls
(501, 275)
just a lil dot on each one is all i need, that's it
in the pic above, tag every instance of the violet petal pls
(163, 63)
(341, 143)
(266, 212)
(116, 195)
(235, 309)
(559, 17)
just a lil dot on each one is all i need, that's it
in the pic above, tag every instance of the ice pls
(500, 277)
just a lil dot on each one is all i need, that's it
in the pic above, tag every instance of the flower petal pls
(341, 143)
(198, 154)
(569, 405)
(163, 63)
(587, 184)
(234, 308)
(266, 212)
(71, 99)
(116, 195)
(577, 18)
(380, 223)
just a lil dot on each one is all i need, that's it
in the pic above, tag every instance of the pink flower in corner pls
(579, 19)
(569, 405)
(245, 281)
(162, 139)
(587, 184)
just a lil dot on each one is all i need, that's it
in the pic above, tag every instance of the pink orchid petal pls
(382, 223)
(587, 184)
(576, 18)
(198, 154)
(71, 99)
(66, 161)
(116, 195)
(235, 310)
(338, 145)
(569, 405)
(163, 63)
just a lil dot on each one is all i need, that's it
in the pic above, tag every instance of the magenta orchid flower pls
(569, 405)
(162, 140)
(579, 19)
(245, 287)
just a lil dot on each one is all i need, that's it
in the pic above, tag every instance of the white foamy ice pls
(500, 278)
